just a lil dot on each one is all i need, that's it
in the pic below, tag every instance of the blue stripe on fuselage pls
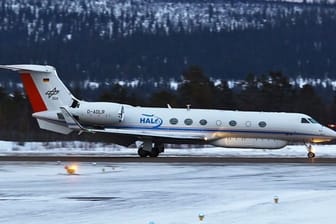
(203, 130)
(212, 130)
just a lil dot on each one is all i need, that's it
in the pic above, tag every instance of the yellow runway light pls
(72, 169)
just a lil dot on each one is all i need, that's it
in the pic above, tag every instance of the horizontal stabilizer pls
(29, 68)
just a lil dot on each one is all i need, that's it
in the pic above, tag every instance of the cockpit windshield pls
(304, 120)
(308, 120)
(312, 121)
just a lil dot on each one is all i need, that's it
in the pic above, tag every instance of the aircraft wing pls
(153, 133)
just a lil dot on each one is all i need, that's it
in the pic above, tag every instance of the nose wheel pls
(311, 152)
(311, 155)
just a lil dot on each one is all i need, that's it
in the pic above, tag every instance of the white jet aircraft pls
(57, 110)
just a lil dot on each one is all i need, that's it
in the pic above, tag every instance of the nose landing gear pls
(311, 152)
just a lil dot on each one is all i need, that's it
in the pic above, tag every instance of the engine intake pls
(98, 113)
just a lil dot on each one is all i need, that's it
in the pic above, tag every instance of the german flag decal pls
(46, 80)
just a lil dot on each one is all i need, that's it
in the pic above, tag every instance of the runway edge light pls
(201, 216)
(276, 199)
(71, 169)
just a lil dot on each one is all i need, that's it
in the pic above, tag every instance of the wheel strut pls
(311, 152)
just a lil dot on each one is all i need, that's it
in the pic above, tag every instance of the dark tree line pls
(268, 92)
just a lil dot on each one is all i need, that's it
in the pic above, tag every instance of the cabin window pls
(304, 120)
(173, 121)
(233, 123)
(218, 123)
(188, 121)
(262, 124)
(203, 122)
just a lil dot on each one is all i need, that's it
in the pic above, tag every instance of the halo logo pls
(151, 119)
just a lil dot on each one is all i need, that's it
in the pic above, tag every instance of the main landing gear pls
(147, 149)
(311, 151)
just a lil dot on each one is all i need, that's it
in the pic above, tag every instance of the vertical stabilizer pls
(44, 88)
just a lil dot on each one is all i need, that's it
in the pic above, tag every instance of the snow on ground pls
(101, 149)
(137, 193)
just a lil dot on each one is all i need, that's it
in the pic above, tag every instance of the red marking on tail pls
(33, 93)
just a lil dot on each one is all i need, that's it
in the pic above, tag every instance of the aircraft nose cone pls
(329, 133)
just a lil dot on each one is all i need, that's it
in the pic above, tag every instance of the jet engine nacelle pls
(257, 143)
(98, 113)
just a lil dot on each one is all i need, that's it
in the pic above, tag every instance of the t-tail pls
(47, 94)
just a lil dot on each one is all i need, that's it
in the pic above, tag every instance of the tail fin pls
(46, 93)
(44, 88)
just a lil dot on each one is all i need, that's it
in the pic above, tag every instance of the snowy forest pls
(224, 54)
(157, 40)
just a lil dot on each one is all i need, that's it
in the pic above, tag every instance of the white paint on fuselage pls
(280, 127)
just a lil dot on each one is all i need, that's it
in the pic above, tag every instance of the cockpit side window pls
(304, 120)
(312, 121)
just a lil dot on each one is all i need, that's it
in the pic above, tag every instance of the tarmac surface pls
(184, 159)
(167, 190)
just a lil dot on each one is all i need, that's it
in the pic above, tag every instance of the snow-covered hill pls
(45, 19)
(151, 39)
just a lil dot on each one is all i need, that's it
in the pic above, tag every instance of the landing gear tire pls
(147, 149)
(154, 153)
(311, 152)
(142, 153)
(311, 155)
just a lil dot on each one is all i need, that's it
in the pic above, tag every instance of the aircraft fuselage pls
(218, 127)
